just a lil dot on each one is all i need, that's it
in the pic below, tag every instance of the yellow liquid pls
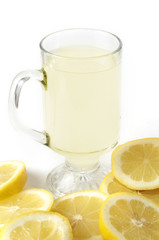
(82, 102)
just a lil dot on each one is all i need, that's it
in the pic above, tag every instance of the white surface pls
(24, 23)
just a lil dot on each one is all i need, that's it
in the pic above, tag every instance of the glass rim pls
(118, 49)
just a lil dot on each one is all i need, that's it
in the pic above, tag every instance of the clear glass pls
(81, 95)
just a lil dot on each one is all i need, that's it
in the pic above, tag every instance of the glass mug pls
(81, 82)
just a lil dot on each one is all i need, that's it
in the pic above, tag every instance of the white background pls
(24, 23)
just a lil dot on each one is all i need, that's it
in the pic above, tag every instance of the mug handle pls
(14, 95)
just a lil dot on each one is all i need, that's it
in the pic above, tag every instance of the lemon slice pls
(26, 200)
(38, 226)
(128, 216)
(13, 177)
(111, 185)
(82, 209)
(136, 164)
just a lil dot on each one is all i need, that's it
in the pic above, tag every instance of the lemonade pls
(80, 75)
(82, 101)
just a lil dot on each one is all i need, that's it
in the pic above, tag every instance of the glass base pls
(64, 179)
